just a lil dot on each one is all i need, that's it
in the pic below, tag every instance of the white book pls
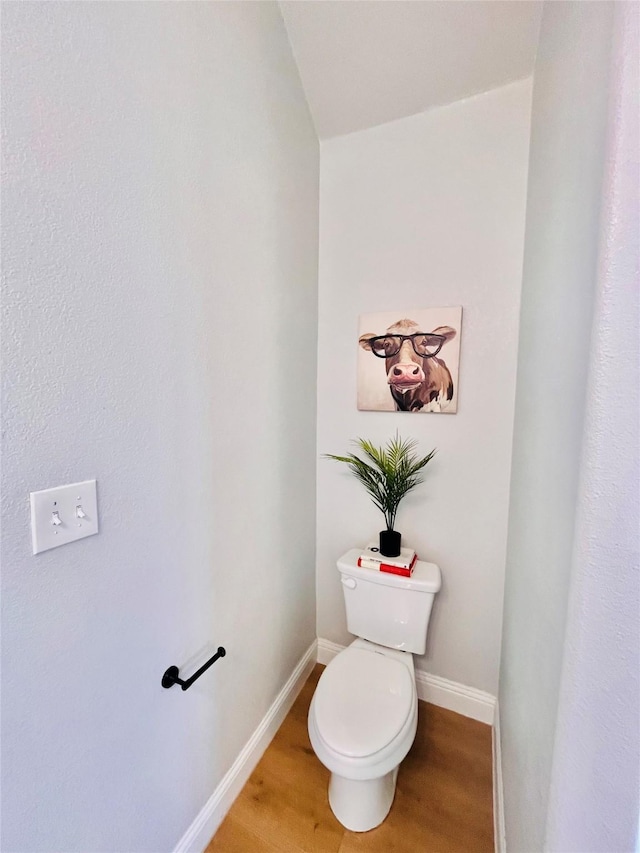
(402, 561)
(386, 567)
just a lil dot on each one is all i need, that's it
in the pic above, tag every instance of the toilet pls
(364, 712)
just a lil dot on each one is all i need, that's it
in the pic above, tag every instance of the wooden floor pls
(443, 800)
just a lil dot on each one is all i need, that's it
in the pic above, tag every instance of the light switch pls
(63, 515)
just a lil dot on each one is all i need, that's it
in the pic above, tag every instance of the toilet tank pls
(387, 609)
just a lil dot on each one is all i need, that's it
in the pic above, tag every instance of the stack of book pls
(371, 558)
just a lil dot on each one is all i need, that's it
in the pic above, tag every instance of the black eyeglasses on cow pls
(426, 346)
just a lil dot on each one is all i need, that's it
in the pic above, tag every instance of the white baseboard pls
(211, 816)
(498, 789)
(328, 650)
(464, 700)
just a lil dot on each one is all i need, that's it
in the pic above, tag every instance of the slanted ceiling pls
(366, 62)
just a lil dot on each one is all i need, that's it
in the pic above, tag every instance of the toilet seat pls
(386, 756)
(362, 702)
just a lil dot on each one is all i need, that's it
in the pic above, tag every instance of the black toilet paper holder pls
(171, 675)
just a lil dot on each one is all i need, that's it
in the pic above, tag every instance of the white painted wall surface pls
(569, 120)
(160, 259)
(594, 795)
(422, 212)
(364, 64)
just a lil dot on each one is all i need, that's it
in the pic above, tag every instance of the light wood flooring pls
(443, 801)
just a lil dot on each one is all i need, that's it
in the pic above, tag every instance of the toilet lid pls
(362, 701)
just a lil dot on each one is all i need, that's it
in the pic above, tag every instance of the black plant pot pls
(390, 543)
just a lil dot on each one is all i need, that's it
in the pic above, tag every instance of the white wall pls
(160, 259)
(423, 212)
(563, 212)
(599, 703)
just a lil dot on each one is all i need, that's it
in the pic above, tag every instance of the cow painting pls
(417, 375)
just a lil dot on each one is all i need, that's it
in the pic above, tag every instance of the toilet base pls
(361, 805)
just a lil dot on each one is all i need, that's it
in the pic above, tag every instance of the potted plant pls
(388, 473)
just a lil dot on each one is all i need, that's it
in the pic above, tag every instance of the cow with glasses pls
(418, 380)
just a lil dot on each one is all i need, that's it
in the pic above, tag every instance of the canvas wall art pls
(408, 360)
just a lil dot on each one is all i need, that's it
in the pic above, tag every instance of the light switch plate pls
(63, 515)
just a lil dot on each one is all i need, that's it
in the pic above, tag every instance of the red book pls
(385, 567)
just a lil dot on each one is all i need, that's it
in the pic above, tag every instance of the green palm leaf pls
(388, 473)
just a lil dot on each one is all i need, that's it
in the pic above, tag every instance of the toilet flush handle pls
(350, 583)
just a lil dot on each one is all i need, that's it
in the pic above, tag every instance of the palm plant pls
(388, 473)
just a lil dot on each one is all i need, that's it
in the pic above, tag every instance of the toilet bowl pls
(362, 722)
